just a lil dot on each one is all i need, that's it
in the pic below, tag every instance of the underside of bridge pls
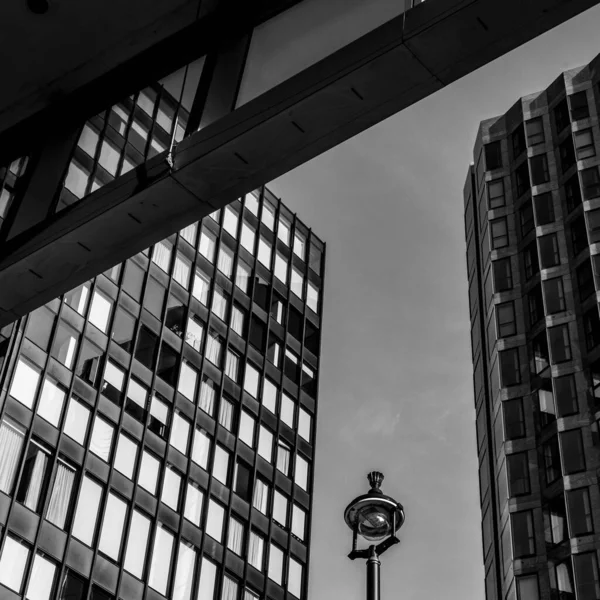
(251, 93)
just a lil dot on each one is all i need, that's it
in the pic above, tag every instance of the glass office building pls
(532, 219)
(157, 423)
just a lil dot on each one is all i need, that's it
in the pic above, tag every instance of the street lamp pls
(375, 517)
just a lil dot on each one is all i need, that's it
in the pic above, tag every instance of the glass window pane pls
(206, 585)
(102, 437)
(160, 566)
(184, 572)
(214, 520)
(170, 488)
(11, 445)
(100, 311)
(220, 464)
(294, 585)
(180, 433)
(194, 499)
(13, 563)
(247, 424)
(76, 423)
(137, 544)
(201, 448)
(148, 474)
(61, 496)
(126, 456)
(112, 527)
(24, 383)
(298, 522)
(86, 513)
(275, 564)
(41, 580)
(51, 402)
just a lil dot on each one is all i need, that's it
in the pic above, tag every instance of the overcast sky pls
(395, 384)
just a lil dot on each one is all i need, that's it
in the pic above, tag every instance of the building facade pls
(532, 219)
(157, 423)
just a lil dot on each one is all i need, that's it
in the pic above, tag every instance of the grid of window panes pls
(532, 218)
(9, 176)
(158, 424)
(130, 132)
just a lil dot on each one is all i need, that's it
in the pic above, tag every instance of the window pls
(181, 271)
(189, 233)
(194, 333)
(284, 229)
(593, 219)
(281, 267)
(584, 144)
(264, 252)
(549, 253)
(551, 460)
(34, 479)
(102, 438)
(148, 474)
(586, 576)
(539, 169)
(175, 315)
(219, 303)
(535, 131)
(544, 208)
(180, 433)
(505, 319)
(579, 106)
(251, 379)
(194, 500)
(52, 400)
(114, 381)
(280, 508)
(518, 141)
(260, 497)
(206, 399)
(527, 587)
(235, 536)
(301, 473)
(188, 379)
(518, 474)
(13, 563)
(76, 423)
(124, 330)
(565, 393)
(208, 242)
(230, 221)
(284, 453)
(159, 416)
(572, 193)
(510, 370)
(554, 295)
(572, 451)
(226, 414)
(247, 239)
(232, 365)
(214, 520)
(201, 447)
(86, 513)
(526, 218)
(112, 527)
(561, 115)
(530, 260)
(561, 579)
(522, 179)
(42, 579)
(265, 443)
(288, 408)
(297, 283)
(237, 320)
(65, 345)
(59, 505)
(154, 300)
(590, 181)
(499, 233)
(304, 424)
(540, 354)
(184, 572)
(162, 554)
(294, 583)
(77, 179)
(312, 297)
(298, 522)
(241, 481)
(225, 261)
(126, 456)
(137, 398)
(523, 534)
(256, 548)
(560, 344)
(220, 470)
(201, 288)
(591, 327)
(206, 584)
(24, 384)
(161, 255)
(39, 327)
(502, 274)
(275, 564)
(170, 488)
(213, 348)
(242, 276)
(247, 424)
(78, 298)
(555, 520)
(269, 396)
(580, 512)
(100, 311)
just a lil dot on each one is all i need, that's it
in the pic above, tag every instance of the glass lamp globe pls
(373, 522)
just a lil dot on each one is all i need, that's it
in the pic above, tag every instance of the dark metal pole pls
(373, 564)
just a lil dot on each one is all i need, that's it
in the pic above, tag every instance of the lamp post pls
(375, 517)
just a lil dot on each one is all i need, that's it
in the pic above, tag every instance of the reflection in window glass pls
(101, 440)
(126, 456)
(247, 424)
(13, 563)
(100, 311)
(112, 527)
(137, 544)
(148, 474)
(24, 383)
(287, 410)
(51, 402)
(86, 513)
(170, 488)
(41, 580)
(160, 566)
(76, 423)
(180, 432)
(77, 299)
(304, 424)
(301, 474)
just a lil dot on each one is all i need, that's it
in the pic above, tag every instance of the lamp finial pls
(375, 480)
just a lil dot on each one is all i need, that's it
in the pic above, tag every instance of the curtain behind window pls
(60, 498)
(11, 444)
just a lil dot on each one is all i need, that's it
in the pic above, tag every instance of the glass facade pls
(535, 333)
(149, 446)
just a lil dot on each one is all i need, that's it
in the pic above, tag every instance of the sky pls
(395, 390)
